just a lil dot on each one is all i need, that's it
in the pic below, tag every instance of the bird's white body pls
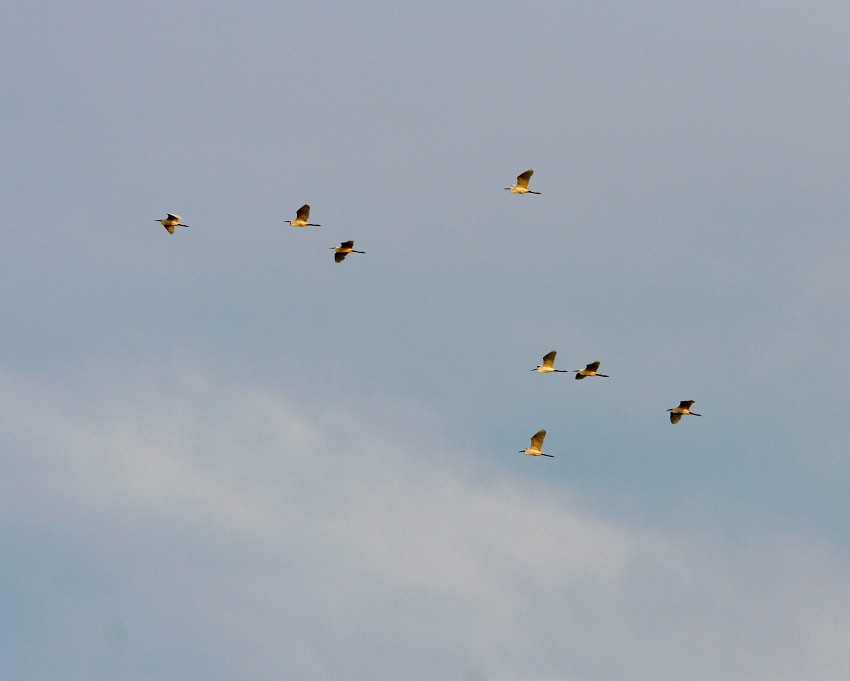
(536, 444)
(302, 218)
(170, 221)
(343, 250)
(591, 369)
(684, 409)
(548, 365)
(521, 186)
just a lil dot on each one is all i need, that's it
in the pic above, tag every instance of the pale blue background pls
(226, 457)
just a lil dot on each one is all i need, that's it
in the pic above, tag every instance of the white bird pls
(548, 365)
(536, 444)
(301, 218)
(684, 408)
(591, 369)
(521, 186)
(170, 221)
(343, 250)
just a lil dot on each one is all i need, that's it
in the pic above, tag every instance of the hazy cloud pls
(214, 530)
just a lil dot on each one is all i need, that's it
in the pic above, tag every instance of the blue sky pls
(225, 456)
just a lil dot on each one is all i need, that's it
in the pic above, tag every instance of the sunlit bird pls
(343, 250)
(170, 221)
(591, 369)
(521, 186)
(684, 408)
(536, 444)
(301, 218)
(548, 365)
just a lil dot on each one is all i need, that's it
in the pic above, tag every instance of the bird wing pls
(523, 178)
(675, 418)
(303, 213)
(685, 404)
(172, 216)
(593, 366)
(549, 358)
(347, 244)
(537, 439)
(169, 228)
(339, 257)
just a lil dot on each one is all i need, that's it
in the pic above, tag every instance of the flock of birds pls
(170, 221)
(592, 369)
(302, 219)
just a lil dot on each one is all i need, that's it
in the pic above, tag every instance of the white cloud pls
(239, 532)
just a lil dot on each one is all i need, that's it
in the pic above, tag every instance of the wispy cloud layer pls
(196, 527)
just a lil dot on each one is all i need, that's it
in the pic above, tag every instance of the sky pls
(223, 456)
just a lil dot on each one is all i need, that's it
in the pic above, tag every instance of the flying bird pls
(536, 444)
(521, 186)
(343, 250)
(170, 221)
(676, 413)
(548, 365)
(301, 218)
(591, 369)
